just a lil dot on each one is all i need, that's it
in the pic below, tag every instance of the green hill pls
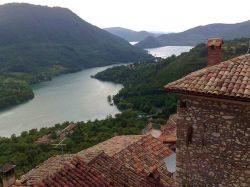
(35, 38)
(143, 83)
(130, 35)
(196, 35)
(38, 42)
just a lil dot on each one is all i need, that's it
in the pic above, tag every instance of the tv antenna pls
(59, 145)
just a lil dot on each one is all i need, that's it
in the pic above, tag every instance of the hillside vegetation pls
(38, 42)
(14, 92)
(198, 34)
(25, 154)
(143, 83)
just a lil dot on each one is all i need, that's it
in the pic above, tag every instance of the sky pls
(153, 15)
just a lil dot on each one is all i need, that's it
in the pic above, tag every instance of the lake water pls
(167, 51)
(133, 43)
(70, 97)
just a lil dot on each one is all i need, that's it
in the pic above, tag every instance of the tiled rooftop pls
(117, 172)
(120, 161)
(168, 138)
(67, 170)
(112, 145)
(146, 156)
(170, 127)
(229, 79)
(6, 168)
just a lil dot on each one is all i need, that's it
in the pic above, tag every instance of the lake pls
(70, 97)
(167, 51)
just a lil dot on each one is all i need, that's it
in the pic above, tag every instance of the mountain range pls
(35, 39)
(193, 36)
(130, 35)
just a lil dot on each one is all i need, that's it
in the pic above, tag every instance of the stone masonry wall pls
(213, 142)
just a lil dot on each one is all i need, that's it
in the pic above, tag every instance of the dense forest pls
(38, 42)
(13, 91)
(141, 96)
(143, 82)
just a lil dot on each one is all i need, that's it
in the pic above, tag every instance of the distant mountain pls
(130, 35)
(198, 34)
(35, 39)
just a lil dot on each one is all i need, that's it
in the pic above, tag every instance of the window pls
(189, 135)
(183, 104)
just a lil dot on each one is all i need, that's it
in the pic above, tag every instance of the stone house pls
(213, 126)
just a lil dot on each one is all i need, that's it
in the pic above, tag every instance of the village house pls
(131, 160)
(213, 124)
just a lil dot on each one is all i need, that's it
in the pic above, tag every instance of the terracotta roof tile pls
(131, 162)
(170, 127)
(115, 170)
(229, 79)
(168, 138)
(6, 168)
(112, 145)
(145, 155)
(67, 170)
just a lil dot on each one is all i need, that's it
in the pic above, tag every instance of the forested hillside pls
(193, 36)
(38, 42)
(144, 83)
(14, 92)
(35, 38)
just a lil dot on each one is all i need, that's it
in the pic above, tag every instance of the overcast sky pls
(153, 15)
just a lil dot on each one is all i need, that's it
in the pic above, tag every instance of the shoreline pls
(41, 113)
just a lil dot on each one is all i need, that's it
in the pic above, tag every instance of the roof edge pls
(187, 92)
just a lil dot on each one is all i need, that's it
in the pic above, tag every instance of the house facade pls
(213, 126)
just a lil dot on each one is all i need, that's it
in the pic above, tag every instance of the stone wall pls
(213, 142)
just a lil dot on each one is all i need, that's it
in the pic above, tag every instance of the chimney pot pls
(8, 175)
(214, 51)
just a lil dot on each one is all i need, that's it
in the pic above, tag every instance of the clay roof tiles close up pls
(112, 145)
(66, 170)
(229, 79)
(147, 156)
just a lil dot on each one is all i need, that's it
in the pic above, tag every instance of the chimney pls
(154, 175)
(214, 51)
(8, 175)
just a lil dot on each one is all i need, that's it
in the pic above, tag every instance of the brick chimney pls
(154, 176)
(8, 175)
(214, 51)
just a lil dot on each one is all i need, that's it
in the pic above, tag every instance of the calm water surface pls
(167, 51)
(70, 97)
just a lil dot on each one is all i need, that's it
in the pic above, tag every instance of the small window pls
(189, 135)
(183, 104)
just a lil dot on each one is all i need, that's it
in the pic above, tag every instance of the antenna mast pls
(59, 145)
